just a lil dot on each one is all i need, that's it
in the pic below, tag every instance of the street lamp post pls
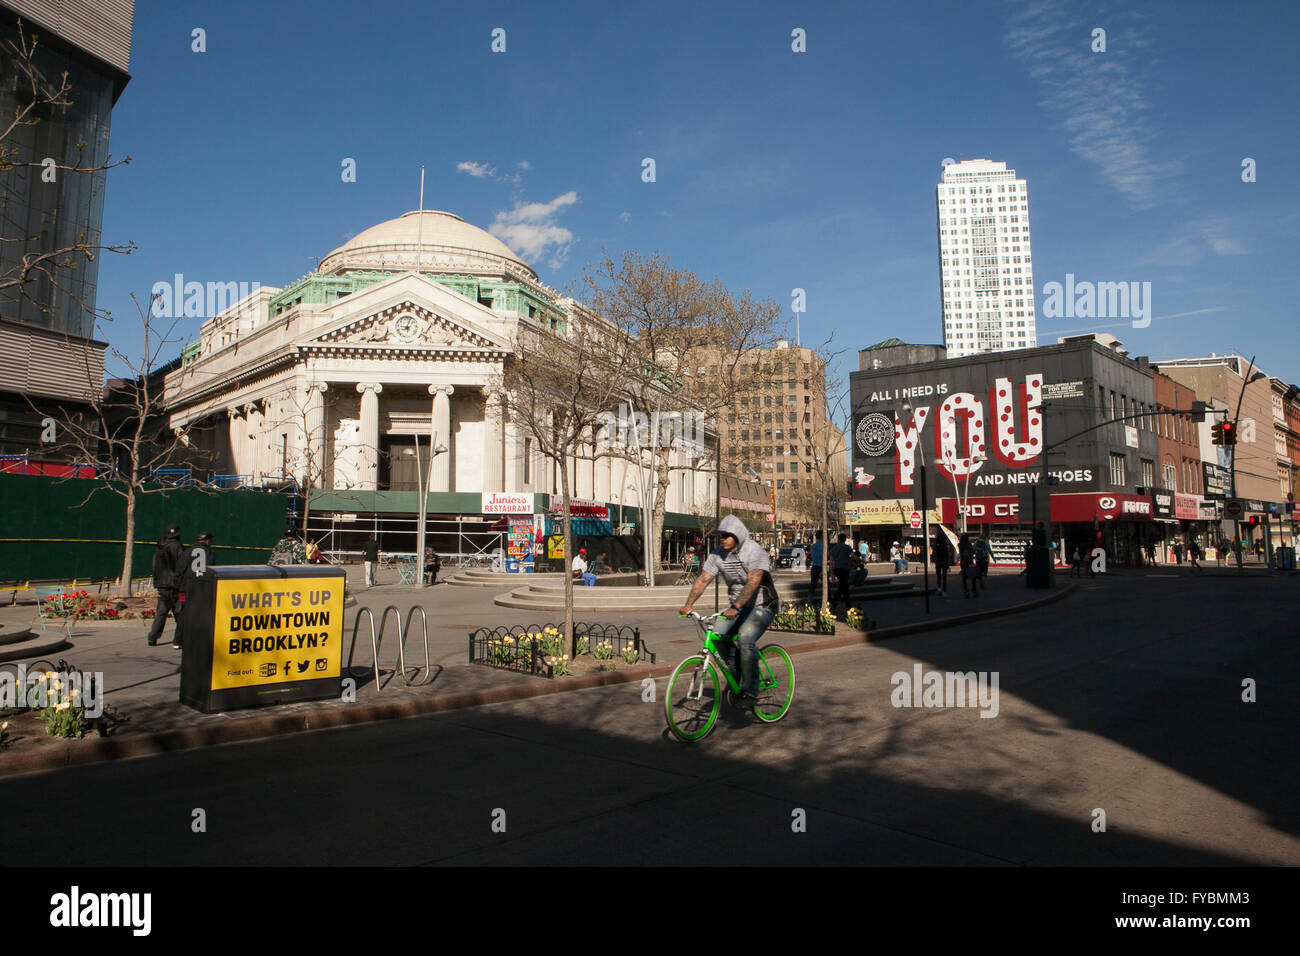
(1232, 473)
(423, 483)
(925, 519)
(952, 469)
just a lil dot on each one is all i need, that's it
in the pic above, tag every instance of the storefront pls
(881, 522)
(979, 426)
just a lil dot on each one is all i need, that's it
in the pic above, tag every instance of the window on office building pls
(1117, 474)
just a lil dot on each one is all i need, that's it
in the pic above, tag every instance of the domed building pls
(342, 382)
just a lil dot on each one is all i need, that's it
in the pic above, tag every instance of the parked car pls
(784, 557)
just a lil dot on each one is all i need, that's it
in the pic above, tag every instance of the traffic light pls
(1254, 520)
(1224, 434)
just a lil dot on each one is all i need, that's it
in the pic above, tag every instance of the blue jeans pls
(744, 629)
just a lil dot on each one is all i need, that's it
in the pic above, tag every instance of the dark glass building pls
(46, 318)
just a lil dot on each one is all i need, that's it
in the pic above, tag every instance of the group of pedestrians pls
(175, 569)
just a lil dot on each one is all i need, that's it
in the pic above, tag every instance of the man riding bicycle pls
(746, 569)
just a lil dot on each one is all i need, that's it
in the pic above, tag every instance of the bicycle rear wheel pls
(776, 677)
(691, 701)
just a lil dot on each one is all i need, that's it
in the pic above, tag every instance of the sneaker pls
(176, 646)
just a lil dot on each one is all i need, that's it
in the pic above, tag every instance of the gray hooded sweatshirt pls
(734, 566)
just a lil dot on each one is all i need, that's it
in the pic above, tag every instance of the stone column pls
(441, 436)
(312, 450)
(513, 451)
(368, 453)
(256, 423)
(603, 474)
(494, 441)
(237, 425)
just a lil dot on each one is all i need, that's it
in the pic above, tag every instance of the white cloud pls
(1097, 98)
(530, 229)
(624, 217)
(477, 170)
(524, 165)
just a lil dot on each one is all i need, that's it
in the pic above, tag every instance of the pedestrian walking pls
(816, 561)
(196, 562)
(168, 567)
(841, 561)
(1178, 552)
(1237, 550)
(942, 560)
(1194, 554)
(370, 558)
(1076, 561)
(981, 562)
(966, 558)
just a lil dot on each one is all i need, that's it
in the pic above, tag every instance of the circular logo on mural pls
(875, 434)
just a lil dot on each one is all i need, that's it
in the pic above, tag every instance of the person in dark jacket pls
(196, 562)
(168, 567)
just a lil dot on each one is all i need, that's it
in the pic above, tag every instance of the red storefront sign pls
(1114, 506)
(999, 509)
(1005, 509)
(1187, 507)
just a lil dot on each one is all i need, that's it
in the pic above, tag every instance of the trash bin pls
(1285, 557)
(512, 565)
(1039, 574)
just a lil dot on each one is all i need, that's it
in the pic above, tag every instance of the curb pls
(258, 728)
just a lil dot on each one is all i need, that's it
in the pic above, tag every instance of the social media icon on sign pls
(321, 663)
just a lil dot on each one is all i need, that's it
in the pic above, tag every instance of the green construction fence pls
(47, 533)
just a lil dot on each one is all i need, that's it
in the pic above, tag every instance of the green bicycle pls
(692, 700)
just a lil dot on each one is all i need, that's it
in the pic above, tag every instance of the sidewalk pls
(142, 683)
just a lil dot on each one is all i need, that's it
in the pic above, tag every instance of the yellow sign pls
(555, 546)
(272, 631)
(890, 511)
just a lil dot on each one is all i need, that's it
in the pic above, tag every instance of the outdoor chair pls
(43, 594)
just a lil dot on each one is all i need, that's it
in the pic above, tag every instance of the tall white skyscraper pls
(985, 259)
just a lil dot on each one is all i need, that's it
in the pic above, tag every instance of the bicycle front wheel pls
(691, 701)
(776, 677)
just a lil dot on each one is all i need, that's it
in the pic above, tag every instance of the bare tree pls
(123, 431)
(688, 338)
(40, 98)
(822, 455)
(555, 387)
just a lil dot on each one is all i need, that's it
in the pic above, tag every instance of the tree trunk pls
(125, 589)
(826, 553)
(660, 509)
(566, 563)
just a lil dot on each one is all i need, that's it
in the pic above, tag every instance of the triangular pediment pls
(407, 324)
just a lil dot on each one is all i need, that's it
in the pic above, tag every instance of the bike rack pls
(376, 639)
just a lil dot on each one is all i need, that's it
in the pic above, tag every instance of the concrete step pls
(41, 644)
(13, 633)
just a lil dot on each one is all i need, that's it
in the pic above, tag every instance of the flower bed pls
(81, 606)
(542, 650)
(803, 617)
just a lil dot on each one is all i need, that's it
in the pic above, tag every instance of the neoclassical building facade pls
(343, 380)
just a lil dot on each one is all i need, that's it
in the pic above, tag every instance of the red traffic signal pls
(1254, 519)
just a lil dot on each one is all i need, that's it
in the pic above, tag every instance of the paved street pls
(1125, 696)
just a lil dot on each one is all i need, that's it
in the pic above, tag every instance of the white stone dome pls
(438, 241)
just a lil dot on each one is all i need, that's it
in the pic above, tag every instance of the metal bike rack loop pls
(377, 640)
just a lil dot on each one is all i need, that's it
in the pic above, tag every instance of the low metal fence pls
(525, 648)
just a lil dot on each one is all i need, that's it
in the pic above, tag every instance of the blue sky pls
(774, 169)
